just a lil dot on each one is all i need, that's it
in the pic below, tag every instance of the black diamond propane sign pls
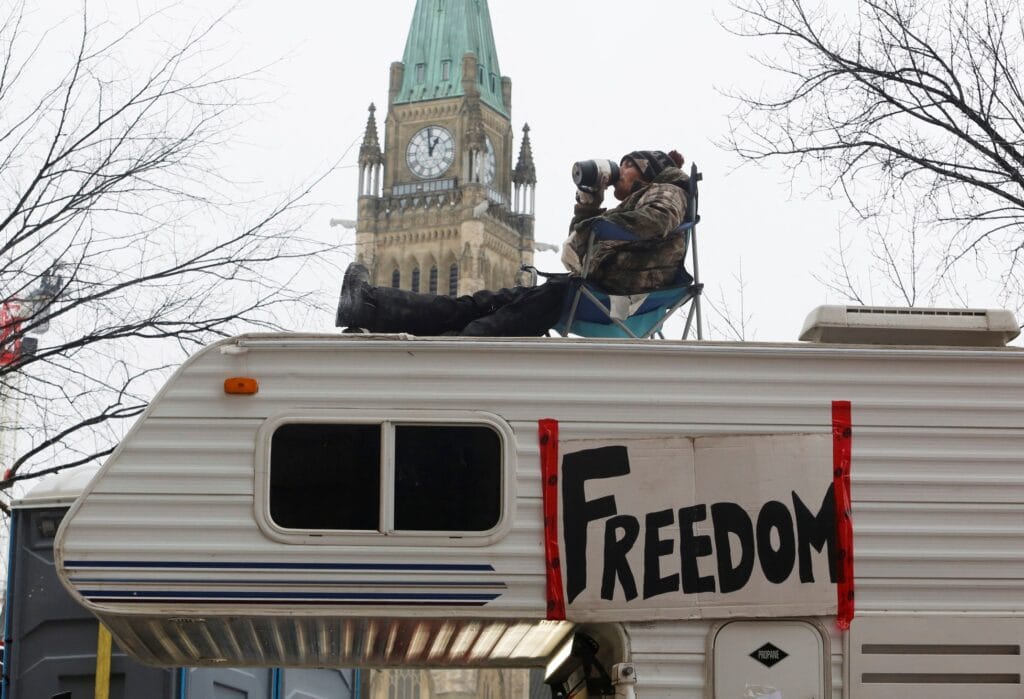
(769, 655)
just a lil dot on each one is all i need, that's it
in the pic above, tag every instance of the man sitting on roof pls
(652, 189)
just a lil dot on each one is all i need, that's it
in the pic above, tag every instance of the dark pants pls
(515, 312)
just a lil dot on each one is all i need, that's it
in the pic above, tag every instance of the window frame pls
(386, 535)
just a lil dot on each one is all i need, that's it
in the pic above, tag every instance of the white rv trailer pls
(393, 501)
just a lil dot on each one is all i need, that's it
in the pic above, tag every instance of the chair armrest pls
(535, 273)
(606, 230)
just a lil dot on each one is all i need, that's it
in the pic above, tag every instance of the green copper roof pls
(442, 31)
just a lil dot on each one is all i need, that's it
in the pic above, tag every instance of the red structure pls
(10, 332)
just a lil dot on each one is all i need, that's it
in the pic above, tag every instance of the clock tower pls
(441, 207)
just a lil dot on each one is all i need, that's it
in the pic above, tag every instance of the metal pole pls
(103, 646)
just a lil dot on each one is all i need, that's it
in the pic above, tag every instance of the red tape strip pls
(548, 435)
(842, 441)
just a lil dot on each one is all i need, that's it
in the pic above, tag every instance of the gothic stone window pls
(453, 280)
(396, 278)
(416, 279)
(432, 288)
(404, 684)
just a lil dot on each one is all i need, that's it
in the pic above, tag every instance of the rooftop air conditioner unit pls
(881, 325)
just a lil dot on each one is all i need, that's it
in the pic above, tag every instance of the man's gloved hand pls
(587, 198)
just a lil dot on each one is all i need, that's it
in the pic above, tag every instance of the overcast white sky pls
(593, 79)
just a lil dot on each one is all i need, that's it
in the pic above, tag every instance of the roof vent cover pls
(884, 325)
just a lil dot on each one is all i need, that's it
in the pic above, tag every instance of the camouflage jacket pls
(637, 266)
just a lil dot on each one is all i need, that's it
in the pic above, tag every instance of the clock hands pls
(431, 143)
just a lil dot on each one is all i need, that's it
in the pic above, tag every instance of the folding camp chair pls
(588, 310)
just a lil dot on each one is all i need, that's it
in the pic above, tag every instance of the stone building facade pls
(441, 207)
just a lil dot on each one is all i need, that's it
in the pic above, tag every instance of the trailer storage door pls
(770, 659)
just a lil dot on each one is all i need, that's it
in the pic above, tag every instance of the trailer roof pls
(58, 489)
(308, 340)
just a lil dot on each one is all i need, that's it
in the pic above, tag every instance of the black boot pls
(517, 311)
(382, 309)
(355, 307)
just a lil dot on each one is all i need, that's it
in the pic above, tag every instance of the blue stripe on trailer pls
(286, 583)
(297, 602)
(318, 603)
(244, 594)
(210, 565)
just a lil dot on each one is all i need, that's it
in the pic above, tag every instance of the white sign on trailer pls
(698, 527)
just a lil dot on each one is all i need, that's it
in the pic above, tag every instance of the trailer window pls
(447, 478)
(325, 476)
(441, 478)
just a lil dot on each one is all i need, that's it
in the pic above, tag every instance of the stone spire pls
(524, 178)
(441, 34)
(369, 152)
(371, 159)
(525, 171)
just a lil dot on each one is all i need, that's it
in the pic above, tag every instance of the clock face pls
(487, 167)
(431, 151)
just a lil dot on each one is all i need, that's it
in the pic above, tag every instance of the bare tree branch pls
(123, 246)
(728, 321)
(911, 109)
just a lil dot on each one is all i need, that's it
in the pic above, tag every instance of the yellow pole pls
(103, 644)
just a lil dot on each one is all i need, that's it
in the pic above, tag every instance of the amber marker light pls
(241, 386)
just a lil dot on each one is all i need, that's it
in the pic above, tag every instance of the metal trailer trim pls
(387, 537)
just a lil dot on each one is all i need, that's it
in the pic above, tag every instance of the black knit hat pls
(650, 162)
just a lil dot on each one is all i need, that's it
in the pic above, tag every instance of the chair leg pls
(689, 321)
(608, 312)
(656, 328)
(700, 323)
(572, 311)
